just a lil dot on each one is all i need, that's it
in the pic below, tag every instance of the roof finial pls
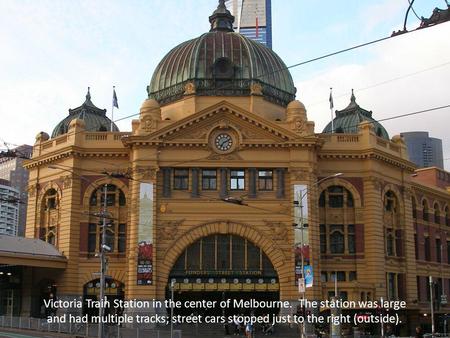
(221, 19)
(353, 98)
(88, 95)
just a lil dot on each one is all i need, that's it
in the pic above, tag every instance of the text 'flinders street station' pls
(224, 189)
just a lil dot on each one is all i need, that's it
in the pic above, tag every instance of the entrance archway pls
(91, 290)
(223, 266)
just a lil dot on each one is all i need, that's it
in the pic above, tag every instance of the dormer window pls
(223, 68)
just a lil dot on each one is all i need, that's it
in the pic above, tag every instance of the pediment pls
(196, 128)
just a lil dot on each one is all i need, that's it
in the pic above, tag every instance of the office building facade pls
(423, 150)
(11, 169)
(9, 209)
(253, 19)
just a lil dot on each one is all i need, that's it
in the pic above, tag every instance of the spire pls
(221, 19)
(88, 98)
(353, 98)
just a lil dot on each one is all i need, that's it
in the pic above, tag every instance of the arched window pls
(116, 223)
(425, 210)
(50, 217)
(390, 202)
(437, 214)
(337, 197)
(392, 232)
(114, 196)
(50, 199)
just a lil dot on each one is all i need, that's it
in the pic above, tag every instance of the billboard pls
(145, 235)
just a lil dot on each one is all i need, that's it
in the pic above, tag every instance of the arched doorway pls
(223, 266)
(91, 290)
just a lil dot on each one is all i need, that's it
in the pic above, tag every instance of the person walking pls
(249, 330)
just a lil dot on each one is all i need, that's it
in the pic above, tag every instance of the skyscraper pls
(253, 18)
(423, 150)
(12, 170)
(9, 209)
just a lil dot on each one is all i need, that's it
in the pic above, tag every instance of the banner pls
(309, 277)
(145, 235)
(301, 239)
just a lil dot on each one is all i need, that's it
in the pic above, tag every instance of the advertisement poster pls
(301, 244)
(307, 269)
(145, 235)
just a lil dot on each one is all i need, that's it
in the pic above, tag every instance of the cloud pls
(416, 52)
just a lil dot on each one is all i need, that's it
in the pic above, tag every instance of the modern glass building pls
(9, 209)
(423, 150)
(253, 18)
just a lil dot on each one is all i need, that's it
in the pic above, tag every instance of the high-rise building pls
(9, 209)
(423, 150)
(253, 18)
(12, 170)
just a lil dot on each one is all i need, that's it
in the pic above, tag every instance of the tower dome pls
(347, 120)
(221, 63)
(94, 118)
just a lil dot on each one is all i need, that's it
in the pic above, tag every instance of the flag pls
(331, 99)
(114, 100)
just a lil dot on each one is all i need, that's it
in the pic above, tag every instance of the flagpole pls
(112, 109)
(331, 109)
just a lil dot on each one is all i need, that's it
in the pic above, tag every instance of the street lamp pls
(103, 248)
(299, 224)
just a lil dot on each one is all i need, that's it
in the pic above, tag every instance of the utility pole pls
(102, 266)
(431, 306)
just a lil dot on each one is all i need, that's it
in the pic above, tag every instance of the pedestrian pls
(419, 333)
(249, 330)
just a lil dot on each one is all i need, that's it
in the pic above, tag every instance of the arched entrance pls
(223, 266)
(91, 290)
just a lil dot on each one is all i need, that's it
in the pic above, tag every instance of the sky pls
(53, 50)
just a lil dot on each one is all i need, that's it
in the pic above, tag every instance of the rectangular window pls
(92, 235)
(427, 249)
(324, 276)
(392, 285)
(438, 251)
(416, 246)
(265, 180)
(121, 244)
(180, 179)
(337, 245)
(323, 239)
(237, 180)
(209, 179)
(352, 276)
(448, 253)
(351, 239)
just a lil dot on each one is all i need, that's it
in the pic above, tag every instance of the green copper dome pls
(95, 119)
(348, 120)
(221, 63)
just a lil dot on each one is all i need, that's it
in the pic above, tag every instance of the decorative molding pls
(189, 88)
(300, 174)
(256, 89)
(224, 157)
(169, 229)
(66, 181)
(279, 230)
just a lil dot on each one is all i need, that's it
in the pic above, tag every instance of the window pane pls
(208, 252)
(238, 253)
(181, 179)
(337, 242)
(122, 199)
(209, 179)
(223, 252)
(193, 256)
(253, 257)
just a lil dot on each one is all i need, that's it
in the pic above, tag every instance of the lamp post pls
(103, 248)
(431, 305)
(299, 224)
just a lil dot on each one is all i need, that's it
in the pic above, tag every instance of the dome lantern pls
(221, 19)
